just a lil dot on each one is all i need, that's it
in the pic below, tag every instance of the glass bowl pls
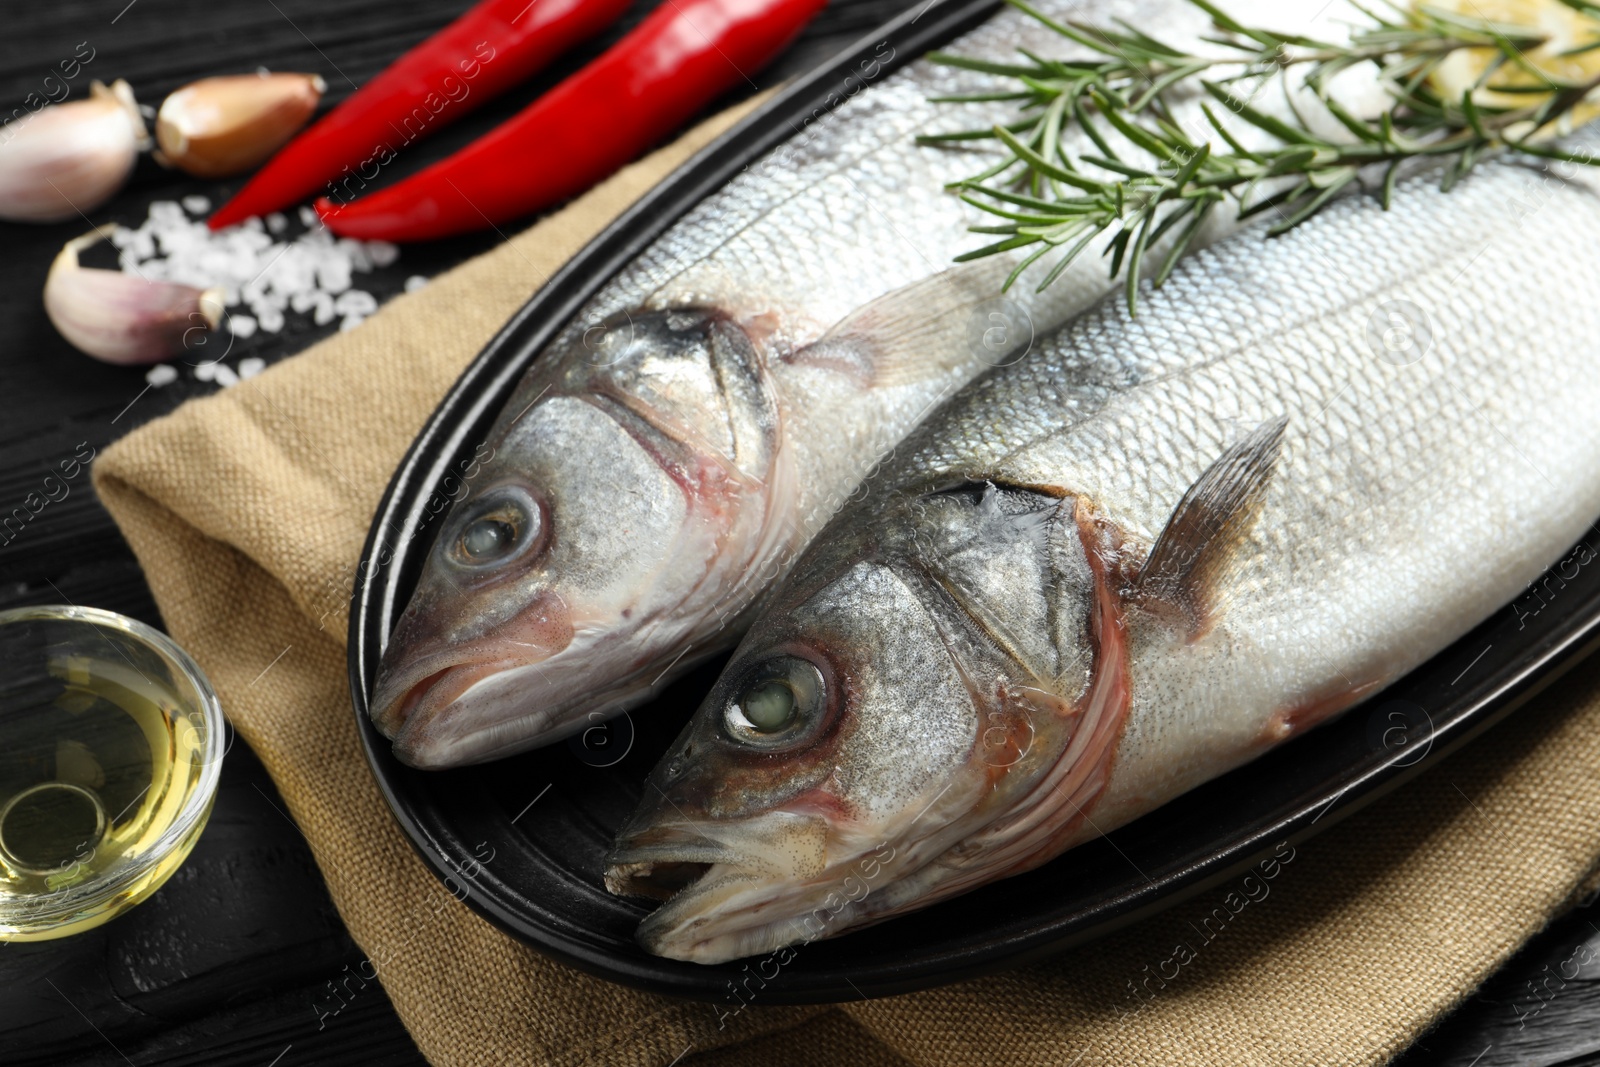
(111, 744)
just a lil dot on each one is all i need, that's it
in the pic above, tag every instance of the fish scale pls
(1389, 504)
(1398, 422)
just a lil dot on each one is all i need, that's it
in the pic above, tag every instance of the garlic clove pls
(67, 159)
(219, 127)
(122, 318)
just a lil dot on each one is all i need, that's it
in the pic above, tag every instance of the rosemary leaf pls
(1045, 196)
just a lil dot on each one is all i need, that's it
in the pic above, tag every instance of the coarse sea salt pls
(257, 265)
(161, 374)
(265, 273)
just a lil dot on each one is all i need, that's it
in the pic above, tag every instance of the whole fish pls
(1141, 556)
(679, 444)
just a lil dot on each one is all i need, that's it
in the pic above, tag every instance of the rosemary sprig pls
(1049, 199)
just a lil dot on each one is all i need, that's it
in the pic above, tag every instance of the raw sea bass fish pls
(668, 457)
(1139, 557)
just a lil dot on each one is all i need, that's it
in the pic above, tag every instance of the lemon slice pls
(1564, 29)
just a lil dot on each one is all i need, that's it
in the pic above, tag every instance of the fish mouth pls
(658, 861)
(498, 697)
(721, 900)
(712, 911)
(447, 713)
(690, 878)
(400, 700)
(657, 879)
(661, 871)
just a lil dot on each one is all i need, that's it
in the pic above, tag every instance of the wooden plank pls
(231, 961)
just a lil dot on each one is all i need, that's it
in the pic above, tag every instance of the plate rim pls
(475, 399)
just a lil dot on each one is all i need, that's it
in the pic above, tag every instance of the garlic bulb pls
(122, 318)
(219, 127)
(68, 159)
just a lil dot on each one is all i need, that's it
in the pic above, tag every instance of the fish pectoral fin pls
(1189, 566)
(923, 330)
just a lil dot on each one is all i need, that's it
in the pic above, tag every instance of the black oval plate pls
(522, 840)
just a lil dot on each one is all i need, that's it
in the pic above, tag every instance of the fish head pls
(624, 487)
(866, 726)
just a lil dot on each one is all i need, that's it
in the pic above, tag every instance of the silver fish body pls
(717, 402)
(1141, 556)
(682, 441)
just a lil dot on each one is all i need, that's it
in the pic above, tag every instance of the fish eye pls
(777, 700)
(499, 528)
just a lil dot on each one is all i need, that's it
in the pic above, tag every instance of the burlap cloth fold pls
(248, 510)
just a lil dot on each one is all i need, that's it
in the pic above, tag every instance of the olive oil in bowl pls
(110, 746)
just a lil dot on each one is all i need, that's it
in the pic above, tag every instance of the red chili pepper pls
(673, 64)
(493, 46)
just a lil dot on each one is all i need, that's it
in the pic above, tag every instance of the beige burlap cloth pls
(248, 510)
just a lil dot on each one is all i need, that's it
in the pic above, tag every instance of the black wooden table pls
(235, 960)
